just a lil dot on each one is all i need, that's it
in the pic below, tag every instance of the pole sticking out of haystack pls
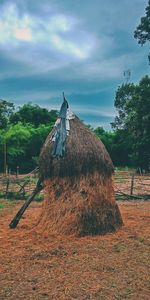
(21, 211)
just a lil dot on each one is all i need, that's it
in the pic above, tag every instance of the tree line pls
(23, 132)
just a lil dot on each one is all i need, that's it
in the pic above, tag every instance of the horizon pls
(81, 49)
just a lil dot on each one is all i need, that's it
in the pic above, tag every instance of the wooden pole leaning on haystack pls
(77, 173)
(21, 211)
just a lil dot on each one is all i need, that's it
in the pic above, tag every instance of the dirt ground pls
(38, 266)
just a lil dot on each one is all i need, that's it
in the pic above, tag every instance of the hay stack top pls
(71, 149)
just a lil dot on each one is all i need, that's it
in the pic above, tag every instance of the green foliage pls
(106, 137)
(35, 143)
(132, 125)
(6, 109)
(24, 134)
(39, 198)
(121, 148)
(116, 142)
(23, 144)
(33, 114)
(2, 206)
(142, 32)
(125, 96)
(17, 137)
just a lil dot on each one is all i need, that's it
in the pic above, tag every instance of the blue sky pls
(79, 47)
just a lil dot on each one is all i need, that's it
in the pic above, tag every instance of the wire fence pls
(128, 185)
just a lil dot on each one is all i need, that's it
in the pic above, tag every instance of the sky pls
(79, 47)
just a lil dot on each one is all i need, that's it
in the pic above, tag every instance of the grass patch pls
(39, 198)
(126, 294)
(119, 197)
(118, 248)
(2, 195)
(2, 206)
(15, 196)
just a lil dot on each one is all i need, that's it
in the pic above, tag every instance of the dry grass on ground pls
(38, 266)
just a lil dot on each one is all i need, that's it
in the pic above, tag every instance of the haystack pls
(77, 174)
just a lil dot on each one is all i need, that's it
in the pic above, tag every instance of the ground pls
(38, 266)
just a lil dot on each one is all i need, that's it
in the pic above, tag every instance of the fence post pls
(132, 185)
(17, 172)
(7, 184)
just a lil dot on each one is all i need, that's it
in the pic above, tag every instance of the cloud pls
(79, 47)
(11, 26)
(55, 32)
(23, 34)
(97, 111)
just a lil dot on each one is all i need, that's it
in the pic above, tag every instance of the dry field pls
(38, 266)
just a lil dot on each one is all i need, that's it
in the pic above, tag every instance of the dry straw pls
(79, 196)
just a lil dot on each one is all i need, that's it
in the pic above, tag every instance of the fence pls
(17, 186)
(131, 185)
(128, 185)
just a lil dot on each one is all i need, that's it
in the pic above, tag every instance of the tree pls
(106, 137)
(35, 143)
(2, 151)
(142, 124)
(17, 139)
(33, 114)
(121, 148)
(22, 134)
(6, 109)
(23, 145)
(116, 142)
(142, 32)
(124, 99)
(133, 121)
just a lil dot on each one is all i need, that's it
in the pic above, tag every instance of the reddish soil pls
(38, 266)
